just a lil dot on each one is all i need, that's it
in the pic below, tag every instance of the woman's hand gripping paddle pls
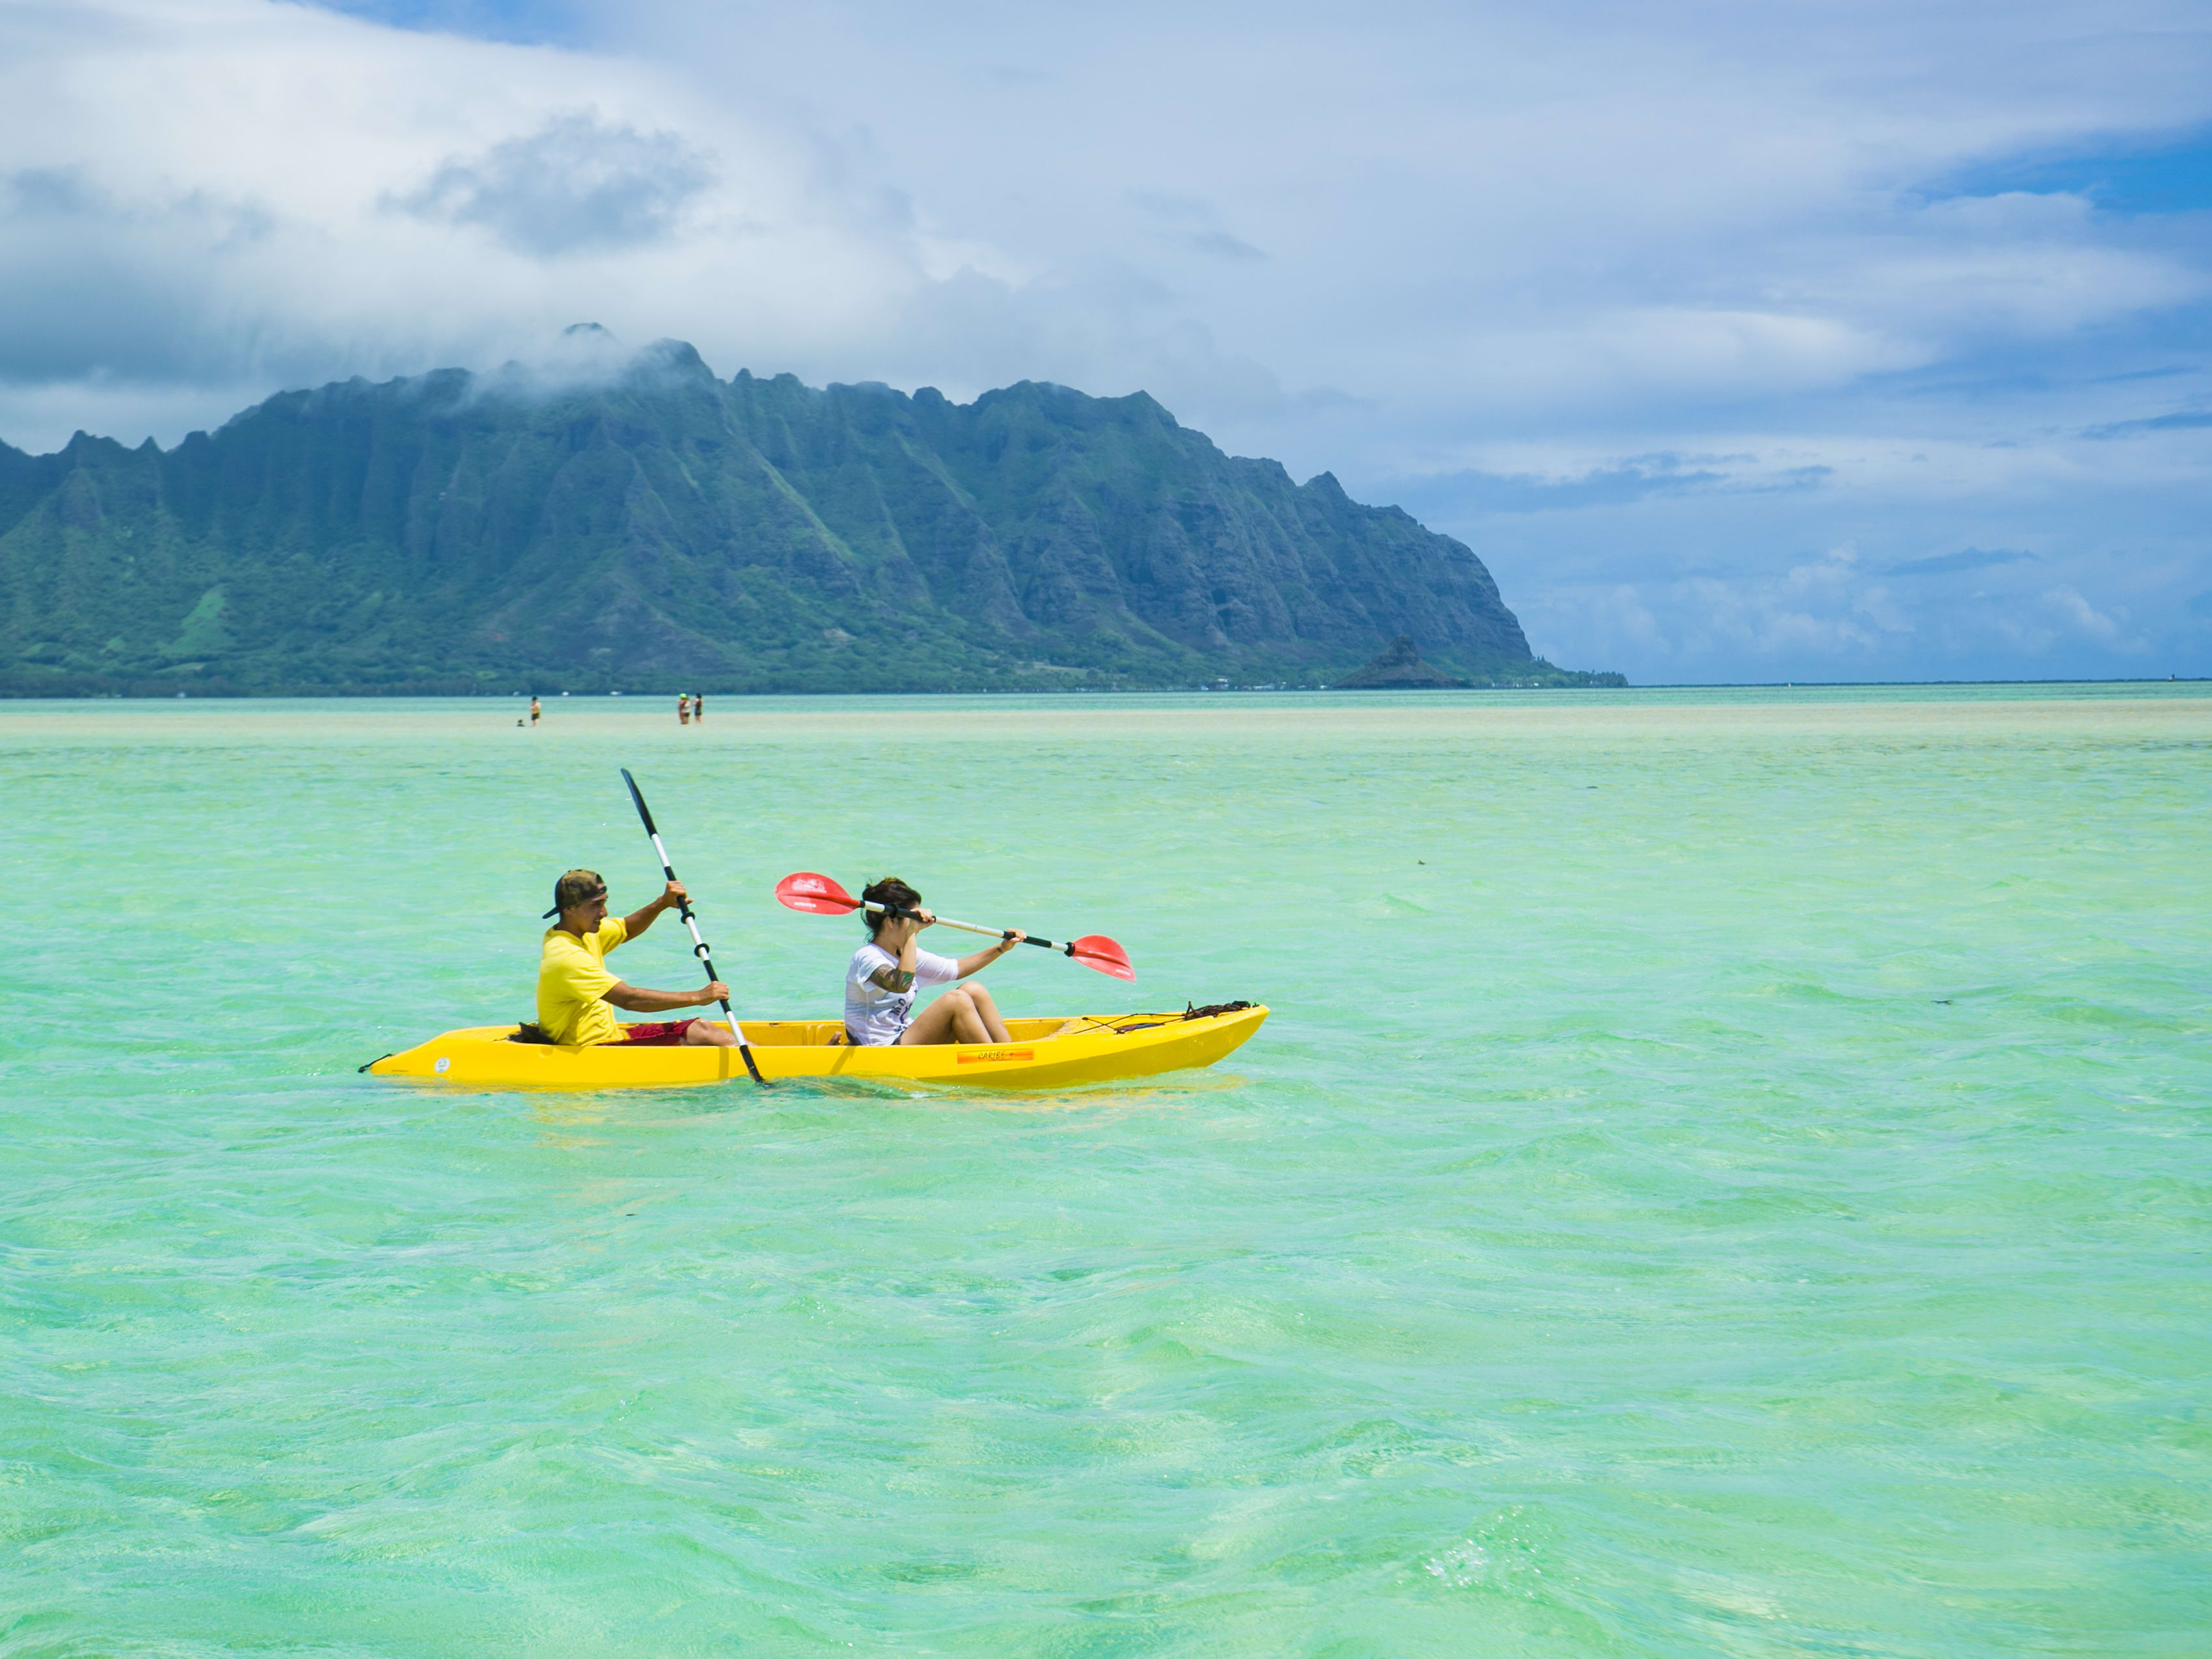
(819, 895)
(698, 946)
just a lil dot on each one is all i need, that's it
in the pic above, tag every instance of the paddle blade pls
(817, 895)
(643, 811)
(1096, 951)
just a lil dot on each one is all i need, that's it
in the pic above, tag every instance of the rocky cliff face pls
(454, 532)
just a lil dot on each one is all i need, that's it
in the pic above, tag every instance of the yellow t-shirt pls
(572, 978)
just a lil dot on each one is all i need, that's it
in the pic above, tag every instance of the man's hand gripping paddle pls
(821, 896)
(698, 946)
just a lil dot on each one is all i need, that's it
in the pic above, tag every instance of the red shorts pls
(667, 1035)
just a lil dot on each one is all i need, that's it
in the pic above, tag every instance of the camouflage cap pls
(577, 887)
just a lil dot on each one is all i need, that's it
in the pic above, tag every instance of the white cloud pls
(212, 191)
(1643, 264)
(575, 183)
(2104, 630)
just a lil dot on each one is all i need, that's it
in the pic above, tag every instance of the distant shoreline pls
(407, 695)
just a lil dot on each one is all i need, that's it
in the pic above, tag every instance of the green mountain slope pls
(666, 529)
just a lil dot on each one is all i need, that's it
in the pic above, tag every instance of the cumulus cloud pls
(214, 193)
(575, 183)
(1643, 300)
(2109, 630)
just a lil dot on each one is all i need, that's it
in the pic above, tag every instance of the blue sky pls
(1772, 341)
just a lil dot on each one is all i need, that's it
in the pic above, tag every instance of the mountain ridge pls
(658, 527)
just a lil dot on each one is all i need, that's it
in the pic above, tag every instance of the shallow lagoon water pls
(1726, 1174)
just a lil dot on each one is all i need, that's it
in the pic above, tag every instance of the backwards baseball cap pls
(577, 887)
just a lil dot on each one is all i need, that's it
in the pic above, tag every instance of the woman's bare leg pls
(988, 1011)
(950, 1018)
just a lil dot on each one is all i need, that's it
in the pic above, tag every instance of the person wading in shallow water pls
(698, 707)
(879, 983)
(535, 711)
(577, 996)
(683, 708)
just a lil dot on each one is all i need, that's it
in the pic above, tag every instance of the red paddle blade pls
(1096, 951)
(816, 895)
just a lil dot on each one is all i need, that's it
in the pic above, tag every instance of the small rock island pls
(1400, 668)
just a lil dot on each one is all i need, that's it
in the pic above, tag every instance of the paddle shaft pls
(699, 948)
(968, 926)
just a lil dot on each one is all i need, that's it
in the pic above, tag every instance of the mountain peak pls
(628, 530)
(676, 357)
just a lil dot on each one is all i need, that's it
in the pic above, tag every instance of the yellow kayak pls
(1042, 1053)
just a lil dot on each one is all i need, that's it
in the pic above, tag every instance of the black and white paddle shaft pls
(699, 948)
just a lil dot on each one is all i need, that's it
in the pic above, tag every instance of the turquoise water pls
(1726, 1174)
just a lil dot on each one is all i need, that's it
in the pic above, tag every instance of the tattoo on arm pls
(892, 979)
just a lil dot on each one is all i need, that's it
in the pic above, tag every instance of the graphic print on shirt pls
(874, 1017)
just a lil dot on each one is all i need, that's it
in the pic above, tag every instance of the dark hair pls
(890, 890)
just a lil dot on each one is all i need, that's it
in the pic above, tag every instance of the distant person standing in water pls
(698, 708)
(535, 711)
(683, 708)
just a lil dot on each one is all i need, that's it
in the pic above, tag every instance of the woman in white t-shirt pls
(880, 983)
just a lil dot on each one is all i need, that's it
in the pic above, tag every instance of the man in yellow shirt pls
(577, 996)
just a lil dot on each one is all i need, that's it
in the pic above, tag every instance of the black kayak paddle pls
(699, 947)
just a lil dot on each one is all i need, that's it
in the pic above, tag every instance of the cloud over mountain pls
(574, 183)
(1915, 268)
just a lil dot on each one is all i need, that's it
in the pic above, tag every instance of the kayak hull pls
(1043, 1054)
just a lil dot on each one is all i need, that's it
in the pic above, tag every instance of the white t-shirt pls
(875, 1018)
